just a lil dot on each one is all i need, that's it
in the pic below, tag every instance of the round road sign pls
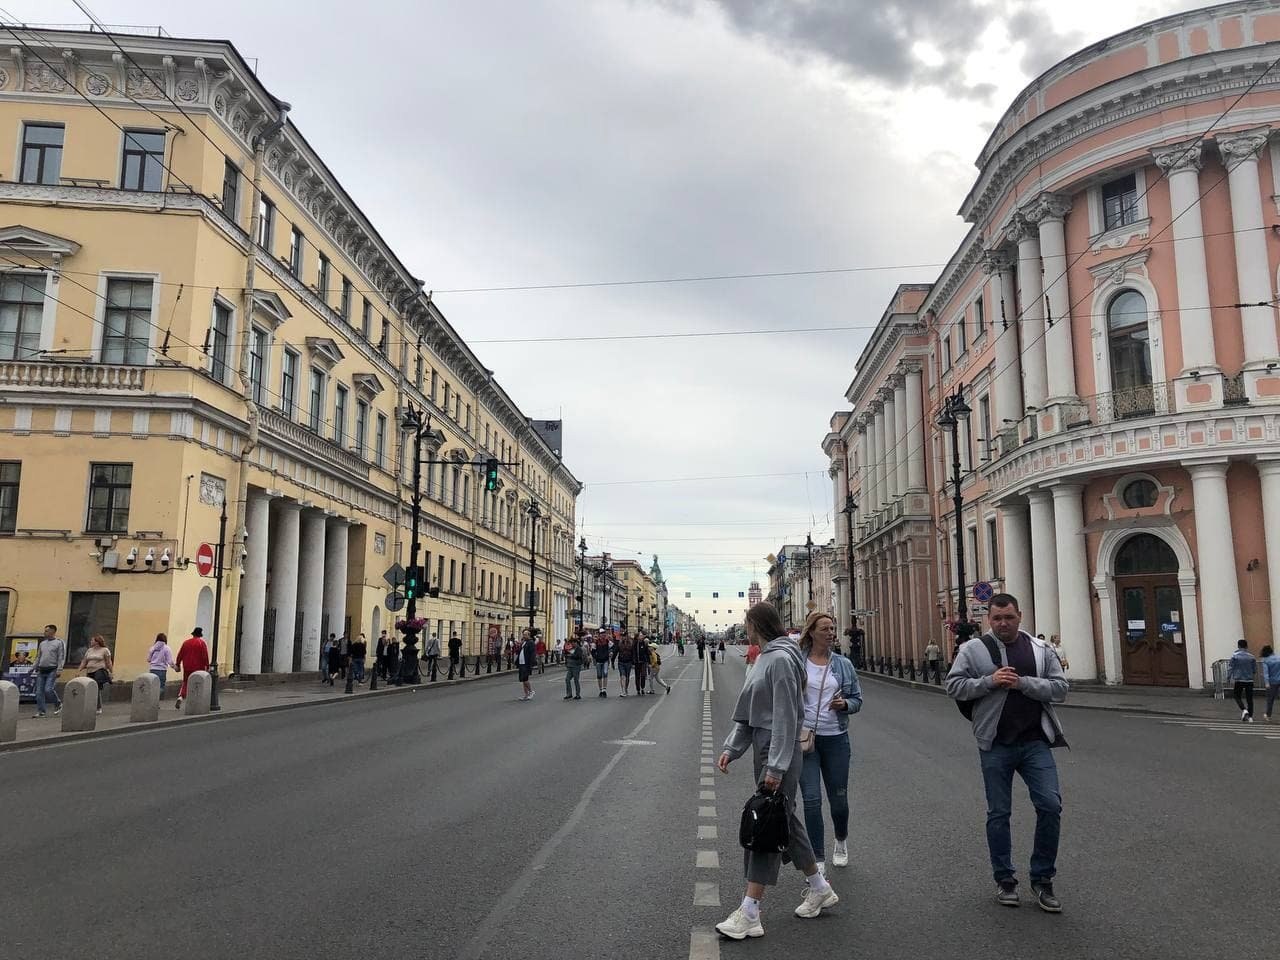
(204, 560)
(983, 591)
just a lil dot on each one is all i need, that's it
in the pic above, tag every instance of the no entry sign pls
(204, 560)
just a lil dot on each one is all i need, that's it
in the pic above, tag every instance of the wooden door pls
(1151, 630)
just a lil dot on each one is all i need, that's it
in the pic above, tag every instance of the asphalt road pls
(462, 823)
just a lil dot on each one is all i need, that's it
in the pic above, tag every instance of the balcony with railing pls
(68, 375)
(277, 425)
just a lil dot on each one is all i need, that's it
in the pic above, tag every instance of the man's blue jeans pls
(1034, 763)
(46, 691)
(829, 762)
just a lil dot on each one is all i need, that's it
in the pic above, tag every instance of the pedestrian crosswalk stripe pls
(1236, 727)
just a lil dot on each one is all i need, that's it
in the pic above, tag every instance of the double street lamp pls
(955, 411)
(850, 505)
(418, 423)
(582, 579)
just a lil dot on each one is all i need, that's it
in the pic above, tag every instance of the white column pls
(311, 587)
(1008, 390)
(1240, 154)
(335, 576)
(1049, 212)
(1044, 564)
(1269, 471)
(915, 428)
(1216, 560)
(253, 590)
(284, 583)
(1015, 563)
(1035, 366)
(904, 434)
(875, 451)
(1181, 164)
(1075, 597)
(891, 448)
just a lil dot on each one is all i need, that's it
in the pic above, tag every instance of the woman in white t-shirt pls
(831, 694)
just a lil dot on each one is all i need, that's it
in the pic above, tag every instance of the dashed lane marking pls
(706, 894)
(708, 812)
(708, 831)
(711, 770)
(708, 860)
(707, 782)
(704, 944)
(706, 794)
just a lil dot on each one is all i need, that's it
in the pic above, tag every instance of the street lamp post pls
(217, 607)
(582, 579)
(418, 423)
(809, 605)
(535, 514)
(850, 505)
(955, 411)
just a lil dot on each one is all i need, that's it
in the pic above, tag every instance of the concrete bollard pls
(79, 705)
(145, 704)
(8, 711)
(199, 688)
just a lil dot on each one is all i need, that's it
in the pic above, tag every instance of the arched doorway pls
(1149, 602)
(204, 612)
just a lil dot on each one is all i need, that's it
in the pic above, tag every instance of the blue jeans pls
(829, 763)
(357, 666)
(46, 691)
(1034, 763)
(162, 676)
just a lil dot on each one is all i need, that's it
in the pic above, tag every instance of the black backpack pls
(764, 826)
(966, 706)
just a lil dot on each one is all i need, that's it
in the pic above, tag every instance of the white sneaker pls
(1248, 718)
(531, 693)
(840, 856)
(739, 926)
(815, 902)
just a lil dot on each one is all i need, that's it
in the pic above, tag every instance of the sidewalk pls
(1164, 701)
(235, 698)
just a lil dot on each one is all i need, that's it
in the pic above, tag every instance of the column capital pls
(1047, 207)
(861, 421)
(997, 260)
(1268, 468)
(1022, 229)
(1242, 145)
(1179, 157)
(1065, 489)
(895, 381)
(1039, 495)
(885, 394)
(1207, 469)
(909, 367)
(1013, 507)
(875, 407)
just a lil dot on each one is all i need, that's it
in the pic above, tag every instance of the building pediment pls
(324, 351)
(367, 385)
(268, 307)
(36, 243)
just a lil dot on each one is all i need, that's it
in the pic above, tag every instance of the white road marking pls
(708, 860)
(704, 944)
(707, 812)
(706, 894)
(706, 794)
(707, 831)
(707, 781)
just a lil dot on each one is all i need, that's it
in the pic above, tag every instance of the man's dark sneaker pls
(1007, 894)
(1044, 896)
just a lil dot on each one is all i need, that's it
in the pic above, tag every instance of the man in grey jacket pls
(1015, 725)
(51, 657)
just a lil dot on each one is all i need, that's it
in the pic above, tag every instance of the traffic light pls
(491, 474)
(413, 583)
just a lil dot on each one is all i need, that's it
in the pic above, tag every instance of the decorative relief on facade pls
(220, 104)
(97, 85)
(188, 90)
(212, 489)
(4, 78)
(1238, 147)
(1179, 157)
(42, 79)
(380, 543)
(138, 84)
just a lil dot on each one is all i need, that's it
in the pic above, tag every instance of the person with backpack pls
(831, 695)
(640, 658)
(655, 667)
(767, 720)
(1240, 670)
(1006, 682)
(600, 654)
(1271, 677)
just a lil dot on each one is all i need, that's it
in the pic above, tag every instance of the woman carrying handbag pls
(768, 718)
(97, 664)
(831, 694)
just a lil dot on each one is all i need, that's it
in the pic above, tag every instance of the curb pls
(931, 688)
(61, 738)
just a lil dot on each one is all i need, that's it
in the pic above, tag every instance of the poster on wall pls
(22, 666)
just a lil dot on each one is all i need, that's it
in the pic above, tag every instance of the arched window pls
(1129, 350)
(1139, 493)
(1145, 554)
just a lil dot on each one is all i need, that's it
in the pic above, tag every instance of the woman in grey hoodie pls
(767, 721)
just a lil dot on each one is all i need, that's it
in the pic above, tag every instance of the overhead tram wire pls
(1195, 143)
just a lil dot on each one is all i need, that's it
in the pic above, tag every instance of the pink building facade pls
(1110, 321)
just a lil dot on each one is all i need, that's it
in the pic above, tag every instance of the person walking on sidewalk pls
(335, 662)
(655, 669)
(1271, 677)
(160, 661)
(933, 659)
(96, 665)
(526, 661)
(831, 695)
(193, 655)
(626, 662)
(540, 650)
(640, 660)
(51, 657)
(767, 720)
(600, 654)
(575, 658)
(702, 646)
(324, 658)
(455, 655)
(393, 656)
(432, 655)
(380, 656)
(1011, 681)
(1240, 670)
(359, 653)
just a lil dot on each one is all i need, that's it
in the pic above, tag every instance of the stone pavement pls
(235, 698)
(1125, 699)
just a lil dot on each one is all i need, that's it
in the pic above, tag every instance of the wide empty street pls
(459, 822)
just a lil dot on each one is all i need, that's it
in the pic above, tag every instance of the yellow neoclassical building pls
(192, 308)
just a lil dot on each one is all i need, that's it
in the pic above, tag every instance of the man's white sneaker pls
(840, 856)
(815, 902)
(739, 926)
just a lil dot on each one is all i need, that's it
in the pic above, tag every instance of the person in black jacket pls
(335, 662)
(455, 654)
(600, 654)
(641, 660)
(380, 656)
(526, 660)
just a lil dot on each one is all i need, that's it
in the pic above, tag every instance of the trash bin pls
(1219, 668)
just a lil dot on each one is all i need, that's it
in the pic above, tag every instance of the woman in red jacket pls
(193, 655)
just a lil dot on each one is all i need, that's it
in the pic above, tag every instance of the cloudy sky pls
(568, 142)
